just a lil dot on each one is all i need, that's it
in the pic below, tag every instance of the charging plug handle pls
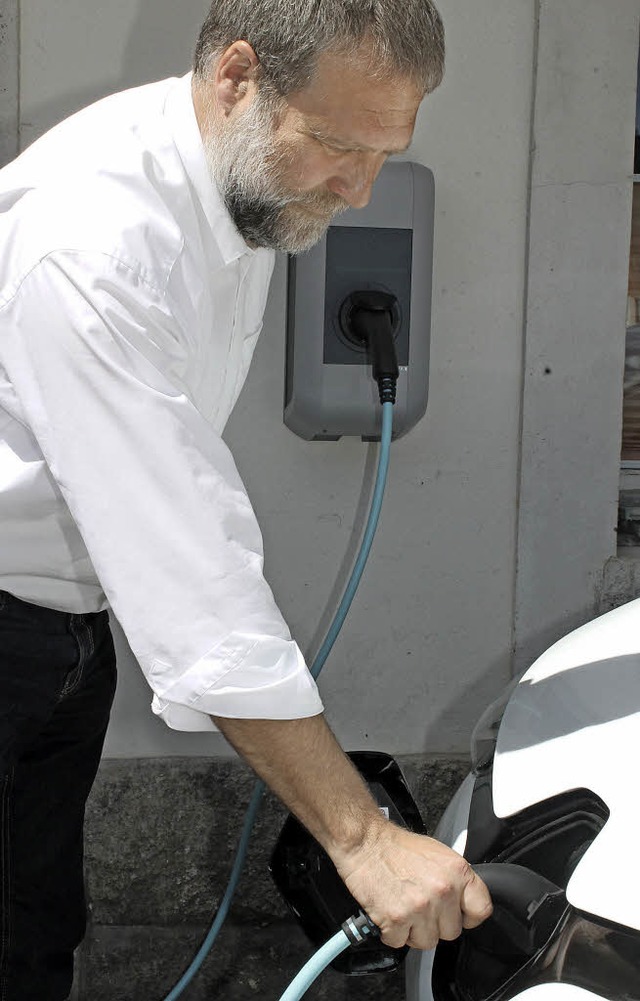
(372, 319)
(359, 927)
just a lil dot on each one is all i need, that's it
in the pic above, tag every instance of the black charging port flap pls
(307, 878)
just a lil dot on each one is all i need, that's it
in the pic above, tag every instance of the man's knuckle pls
(462, 871)
(443, 888)
(396, 915)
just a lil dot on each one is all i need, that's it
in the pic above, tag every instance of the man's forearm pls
(302, 762)
(415, 889)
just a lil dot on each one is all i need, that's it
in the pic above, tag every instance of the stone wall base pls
(160, 838)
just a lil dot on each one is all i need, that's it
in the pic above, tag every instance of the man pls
(137, 245)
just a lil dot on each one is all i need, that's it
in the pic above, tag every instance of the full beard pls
(248, 166)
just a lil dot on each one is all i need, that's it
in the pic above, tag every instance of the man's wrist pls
(356, 842)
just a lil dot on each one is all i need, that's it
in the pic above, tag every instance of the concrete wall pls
(495, 528)
(9, 79)
(578, 263)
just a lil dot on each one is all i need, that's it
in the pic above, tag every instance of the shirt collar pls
(181, 117)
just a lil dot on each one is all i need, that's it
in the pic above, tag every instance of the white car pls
(550, 816)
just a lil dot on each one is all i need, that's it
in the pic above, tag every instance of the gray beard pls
(247, 166)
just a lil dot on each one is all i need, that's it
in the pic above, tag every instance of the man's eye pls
(342, 150)
(329, 146)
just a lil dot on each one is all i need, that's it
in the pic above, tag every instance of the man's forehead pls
(356, 75)
(356, 122)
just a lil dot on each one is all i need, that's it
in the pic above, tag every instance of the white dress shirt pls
(129, 310)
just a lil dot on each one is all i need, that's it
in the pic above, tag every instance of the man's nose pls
(355, 183)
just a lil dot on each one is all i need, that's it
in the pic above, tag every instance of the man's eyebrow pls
(353, 147)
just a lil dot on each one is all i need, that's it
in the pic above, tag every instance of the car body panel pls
(572, 723)
(557, 992)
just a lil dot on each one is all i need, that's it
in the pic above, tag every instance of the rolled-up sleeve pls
(91, 350)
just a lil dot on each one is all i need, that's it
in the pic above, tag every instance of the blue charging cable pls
(316, 667)
(316, 965)
(354, 931)
(367, 539)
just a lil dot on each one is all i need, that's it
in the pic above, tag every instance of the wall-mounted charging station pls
(386, 247)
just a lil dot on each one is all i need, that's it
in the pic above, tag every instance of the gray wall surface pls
(578, 266)
(500, 510)
(9, 79)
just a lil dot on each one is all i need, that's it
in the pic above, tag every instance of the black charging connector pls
(371, 318)
(359, 927)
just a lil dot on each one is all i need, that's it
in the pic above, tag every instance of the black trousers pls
(57, 682)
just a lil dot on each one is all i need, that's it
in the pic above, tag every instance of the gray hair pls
(407, 37)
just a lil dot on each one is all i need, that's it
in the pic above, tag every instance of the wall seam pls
(525, 315)
(19, 77)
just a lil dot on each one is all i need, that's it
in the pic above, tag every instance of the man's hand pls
(415, 889)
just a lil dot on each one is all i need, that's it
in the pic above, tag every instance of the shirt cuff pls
(274, 685)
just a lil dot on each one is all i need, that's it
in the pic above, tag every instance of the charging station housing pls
(388, 247)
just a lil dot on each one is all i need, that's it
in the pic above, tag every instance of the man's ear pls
(235, 76)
